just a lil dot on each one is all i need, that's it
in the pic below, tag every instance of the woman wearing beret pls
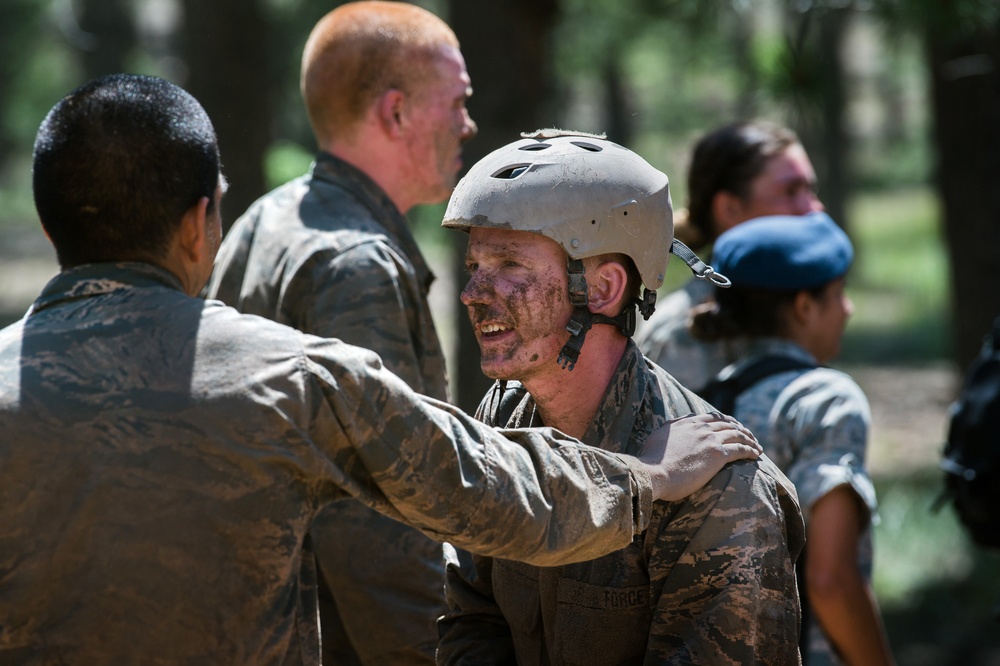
(737, 172)
(787, 298)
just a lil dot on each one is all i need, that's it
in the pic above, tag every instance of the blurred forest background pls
(897, 102)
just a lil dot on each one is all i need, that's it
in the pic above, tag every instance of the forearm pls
(838, 592)
(434, 467)
(847, 611)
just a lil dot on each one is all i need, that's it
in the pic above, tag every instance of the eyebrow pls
(796, 179)
(509, 250)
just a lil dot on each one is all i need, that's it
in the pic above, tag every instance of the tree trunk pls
(226, 51)
(616, 100)
(965, 94)
(20, 24)
(506, 44)
(820, 103)
(110, 35)
(834, 140)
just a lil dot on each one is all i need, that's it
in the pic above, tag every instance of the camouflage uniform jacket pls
(162, 457)
(710, 581)
(331, 255)
(666, 340)
(814, 426)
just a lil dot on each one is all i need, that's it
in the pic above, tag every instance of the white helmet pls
(588, 194)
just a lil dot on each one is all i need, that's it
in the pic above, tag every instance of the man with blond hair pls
(331, 254)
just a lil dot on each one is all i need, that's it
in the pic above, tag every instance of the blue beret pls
(783, 252)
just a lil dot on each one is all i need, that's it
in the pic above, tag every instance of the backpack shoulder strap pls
(722, 393)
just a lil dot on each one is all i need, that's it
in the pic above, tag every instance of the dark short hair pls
(117, 163)
(728, 160)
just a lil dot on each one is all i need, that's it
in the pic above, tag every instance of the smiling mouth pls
(492, 329)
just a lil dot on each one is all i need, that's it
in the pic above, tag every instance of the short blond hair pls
(361, 49)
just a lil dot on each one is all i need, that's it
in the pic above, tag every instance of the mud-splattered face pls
(518, 302)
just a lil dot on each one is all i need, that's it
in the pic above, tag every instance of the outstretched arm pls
(532, 495)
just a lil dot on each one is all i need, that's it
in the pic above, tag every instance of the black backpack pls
(722, 393)
(971, 459)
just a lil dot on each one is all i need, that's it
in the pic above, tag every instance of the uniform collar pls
(613, 425)
(778, 347)
(98, 279)
(331, 169)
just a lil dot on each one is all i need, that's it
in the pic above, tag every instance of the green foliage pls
(676, 55)
(434, 241)
(942, 20)
(908, 524)
(16, 201)
(899, 281)
(939, 593)
(46, 73)
(284, 161)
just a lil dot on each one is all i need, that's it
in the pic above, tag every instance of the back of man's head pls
(117, 163)
(362, 49)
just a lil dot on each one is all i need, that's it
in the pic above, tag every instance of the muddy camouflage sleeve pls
(431, 465)
(330, 255)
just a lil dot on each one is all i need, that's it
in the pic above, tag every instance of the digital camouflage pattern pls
(665, 339)
(814, 425)
(331, 255)
(163, 458)
(711, 581)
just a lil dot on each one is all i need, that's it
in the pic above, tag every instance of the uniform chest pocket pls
(597, 624)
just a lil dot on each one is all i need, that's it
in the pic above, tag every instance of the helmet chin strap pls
(701, 270)
(582, 318)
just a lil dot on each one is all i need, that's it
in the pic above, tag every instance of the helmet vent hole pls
(587, 146)
(534, 147)
(511, 172)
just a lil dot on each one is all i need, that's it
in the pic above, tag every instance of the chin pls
(493, 373)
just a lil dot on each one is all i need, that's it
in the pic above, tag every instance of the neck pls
(569, 400)
(379, 161)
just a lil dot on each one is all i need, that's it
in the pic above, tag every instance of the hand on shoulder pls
(687, 452)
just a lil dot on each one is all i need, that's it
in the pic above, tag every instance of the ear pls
(389, 108)
(192, 236)
(727, 211)
(606, 286)
(802, 307)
